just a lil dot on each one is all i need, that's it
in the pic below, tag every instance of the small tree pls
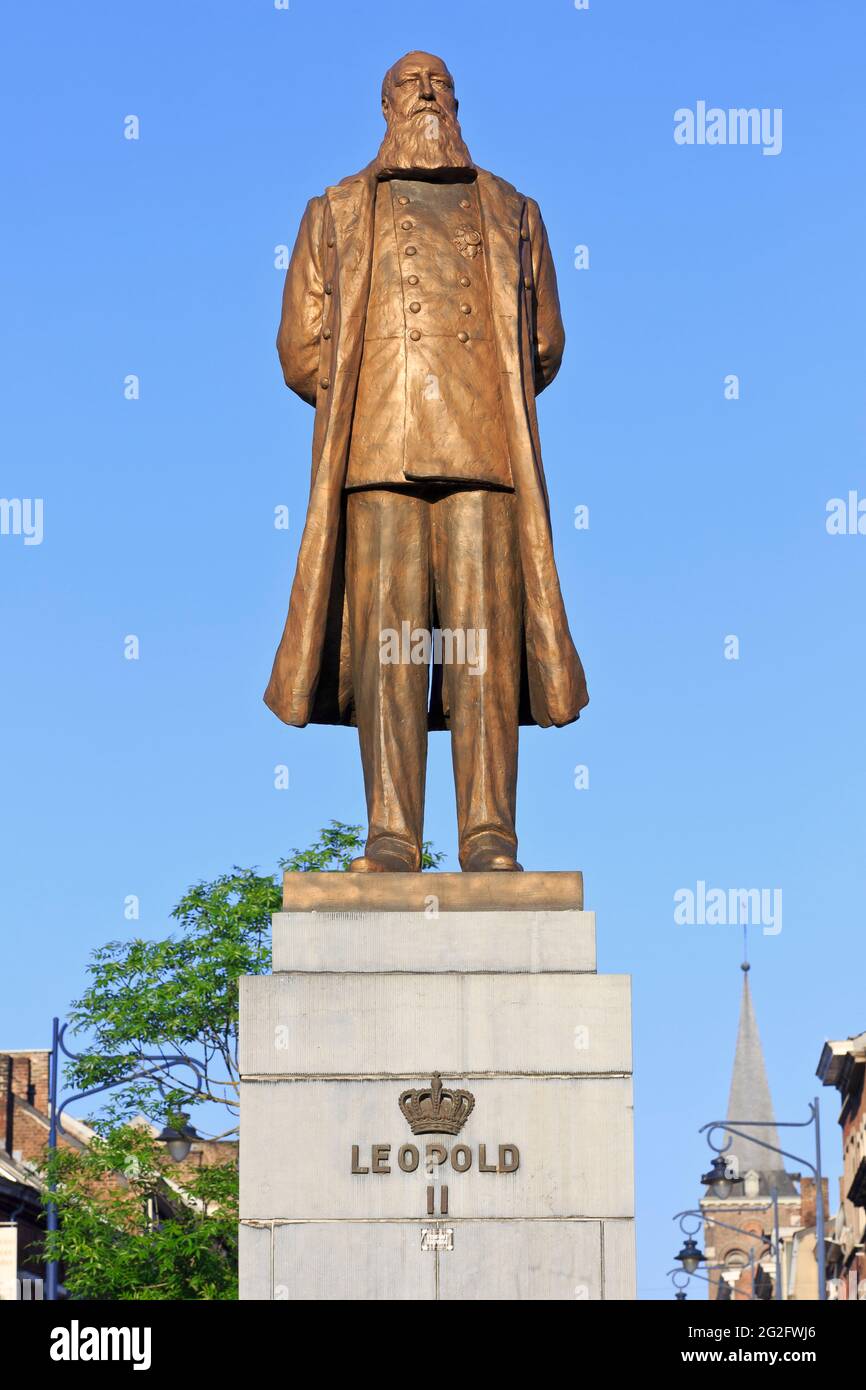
(150, 999)
(110, 1238)
(180, 994)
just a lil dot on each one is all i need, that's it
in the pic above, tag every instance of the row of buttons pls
(415, 335)
(410, 250)
(403, 200)
(414, 307)
(464, 280)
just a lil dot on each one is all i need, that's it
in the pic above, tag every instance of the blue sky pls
(707, 516)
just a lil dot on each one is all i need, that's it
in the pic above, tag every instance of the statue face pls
(417, 85)
(420, 111)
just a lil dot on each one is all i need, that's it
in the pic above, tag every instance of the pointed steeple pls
(749, 1097)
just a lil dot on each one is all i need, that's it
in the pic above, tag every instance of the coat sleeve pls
(303, 298)
(549, 330)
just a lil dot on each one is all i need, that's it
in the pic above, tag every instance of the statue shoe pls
(487, 858)
(386, 857)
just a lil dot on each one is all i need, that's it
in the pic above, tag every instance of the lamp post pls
(721, 1183)
(674, 1274)
(177, 1140)
(691, 1256)
(736, 1127)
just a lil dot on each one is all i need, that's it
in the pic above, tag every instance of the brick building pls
(843, 1065)
(24, 1131)
(23, 1135)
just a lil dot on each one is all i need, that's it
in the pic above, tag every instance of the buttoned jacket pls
(320, 343)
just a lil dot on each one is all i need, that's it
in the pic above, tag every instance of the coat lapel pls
(311, 668)
(553, 668)
(501, 212)
(352, 205)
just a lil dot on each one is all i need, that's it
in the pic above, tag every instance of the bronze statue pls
(421, 320)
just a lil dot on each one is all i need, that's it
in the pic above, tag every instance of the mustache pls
(427, 137)
(422, 109)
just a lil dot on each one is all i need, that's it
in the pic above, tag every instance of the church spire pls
(749, 1097)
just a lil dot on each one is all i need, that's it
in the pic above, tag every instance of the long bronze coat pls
(320, 342)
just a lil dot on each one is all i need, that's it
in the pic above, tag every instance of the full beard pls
(424, 142)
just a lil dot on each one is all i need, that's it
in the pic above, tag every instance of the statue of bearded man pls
(421, 320)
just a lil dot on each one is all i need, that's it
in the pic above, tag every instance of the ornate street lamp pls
(721, 1284)
(733, 1128)
(690, 1256)
(178, 1138)
(717, 1178)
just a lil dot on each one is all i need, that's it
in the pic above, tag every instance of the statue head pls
(420, 111)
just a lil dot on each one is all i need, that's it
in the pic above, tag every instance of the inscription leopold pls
(461, 1158)
(436, 1110)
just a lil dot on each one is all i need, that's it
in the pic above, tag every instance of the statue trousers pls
(435, 600)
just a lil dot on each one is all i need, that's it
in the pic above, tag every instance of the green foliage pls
(125, 1232)
(338, 845)
(148, 999)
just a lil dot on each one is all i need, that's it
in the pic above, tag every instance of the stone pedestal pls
(521, 1187)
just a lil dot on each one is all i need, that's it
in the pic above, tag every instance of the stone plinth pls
(339, 892)
(489, 981)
